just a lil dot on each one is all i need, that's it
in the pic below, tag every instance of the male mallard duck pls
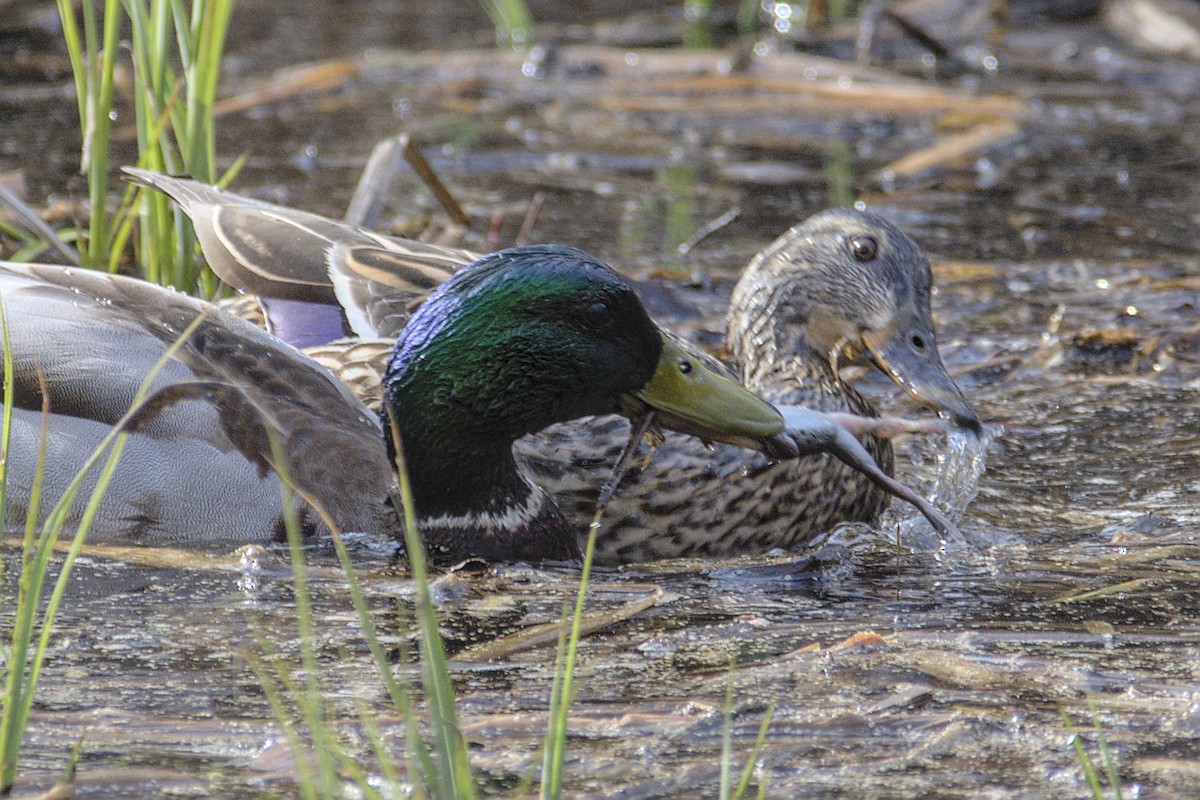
(842, 285)
(519, 340)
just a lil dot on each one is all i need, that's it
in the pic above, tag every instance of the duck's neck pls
(770, 346)
(771, 337)
(473, 500)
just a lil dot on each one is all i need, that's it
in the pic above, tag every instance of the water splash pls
(960, 465)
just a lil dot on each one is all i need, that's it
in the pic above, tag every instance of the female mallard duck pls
(842, 285)
(513, 343)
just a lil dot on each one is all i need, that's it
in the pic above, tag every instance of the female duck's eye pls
(864, 248)
(598, 315)
(685, 367)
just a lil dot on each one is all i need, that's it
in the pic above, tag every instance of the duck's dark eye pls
(685, 367)
(865, 248)
(918, 342)
(598, 315)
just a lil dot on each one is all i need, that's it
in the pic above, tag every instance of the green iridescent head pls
(528, 337)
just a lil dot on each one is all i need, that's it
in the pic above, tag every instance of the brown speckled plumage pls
(693, 500)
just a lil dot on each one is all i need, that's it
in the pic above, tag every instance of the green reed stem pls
(512, 21)
(752, 760)
(727, 791)
(324, 743)
(93, 58)
(1106, 757)
(6, 423)
(452, 777)
(563, 690)
(1085, 761)
(176, 59)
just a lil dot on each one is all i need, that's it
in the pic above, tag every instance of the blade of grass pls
(556, 747)
(98, 125)
(697, 18)
(563, 690)
(1085, 761)
(201, 57)
(839, 174)
(1106, 756)
(23, 671)
(270, 679)
(556, 715)
(9, 738)
(173, 120)
(294, 703)
(727, 735)
(36, 226)
(417, 754)
(454, 773)
(374, 737)
(512, 21)
(324, 744)
(5, 433)
(744, 784)
(286, 697)
(74, 43)
(155, 97)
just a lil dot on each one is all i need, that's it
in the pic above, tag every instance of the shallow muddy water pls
(1067, 281)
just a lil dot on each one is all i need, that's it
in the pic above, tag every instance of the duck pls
(842, 287)
(514, 342)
